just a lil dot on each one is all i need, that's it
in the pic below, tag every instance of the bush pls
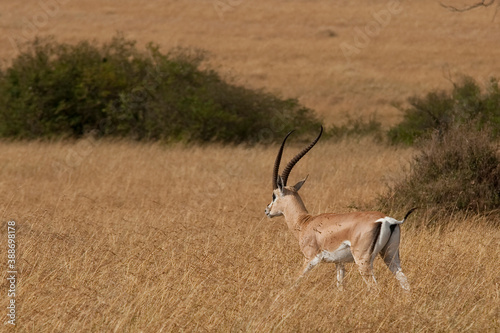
(455, 171)
(356, 128)
(440, 110)
(60, 90)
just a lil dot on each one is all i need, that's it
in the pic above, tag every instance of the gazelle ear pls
(280, 183)
(299, 184)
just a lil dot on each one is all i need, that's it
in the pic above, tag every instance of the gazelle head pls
(287, 196)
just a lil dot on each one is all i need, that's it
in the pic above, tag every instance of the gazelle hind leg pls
(390, 254)
(365, 266)
(393, 262)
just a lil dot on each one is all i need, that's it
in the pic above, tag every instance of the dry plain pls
(293, 48)
(128, 237)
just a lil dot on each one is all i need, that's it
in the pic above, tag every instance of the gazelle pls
(339, 238)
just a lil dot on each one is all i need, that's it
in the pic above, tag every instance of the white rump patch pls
(389, 220)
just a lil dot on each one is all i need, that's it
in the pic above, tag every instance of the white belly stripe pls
(342, 254)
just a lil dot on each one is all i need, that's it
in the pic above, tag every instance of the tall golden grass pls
(128, 237)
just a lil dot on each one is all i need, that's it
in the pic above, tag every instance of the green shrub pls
(458, 170)
(355, 128)
(440, 110)
(61, 90)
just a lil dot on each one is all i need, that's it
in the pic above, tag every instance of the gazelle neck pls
(295, 214)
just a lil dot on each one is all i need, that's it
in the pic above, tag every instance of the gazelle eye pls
(274, 196)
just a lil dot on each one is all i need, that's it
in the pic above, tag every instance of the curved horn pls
(277, 162)
(297, 157)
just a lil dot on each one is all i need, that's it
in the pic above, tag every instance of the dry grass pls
(129, 237)
(292, 47)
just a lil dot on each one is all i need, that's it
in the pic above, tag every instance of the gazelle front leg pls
(340, 275)
(308, 265)
(312, 258)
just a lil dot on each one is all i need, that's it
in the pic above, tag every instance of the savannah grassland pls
(128, 237)
(132, 237)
